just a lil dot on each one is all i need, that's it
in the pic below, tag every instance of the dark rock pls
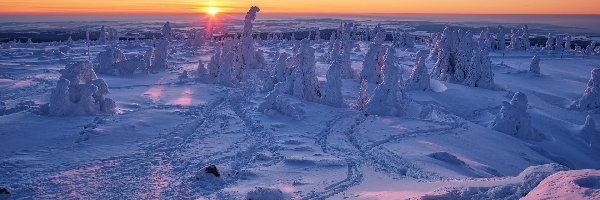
(212, 169)
(4, 191)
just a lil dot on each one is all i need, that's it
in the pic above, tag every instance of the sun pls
(211, 11)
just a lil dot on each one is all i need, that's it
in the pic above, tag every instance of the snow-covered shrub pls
(534, 66)
(277, 101)
(590, 48)
(419, 77)
(387, 99)
(514, 120)
(550, 42)
(528, 180)
(266, 194)
(113, 62)
(590, 100)
(80, 92)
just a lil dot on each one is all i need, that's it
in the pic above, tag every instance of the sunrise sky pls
(302, 6)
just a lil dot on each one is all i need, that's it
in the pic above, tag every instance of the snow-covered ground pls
(168, 129)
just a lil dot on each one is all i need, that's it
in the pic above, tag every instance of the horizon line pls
(278, 13)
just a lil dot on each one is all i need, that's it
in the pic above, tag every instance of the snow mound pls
(266, 194)
(575, 184)
(527, 180)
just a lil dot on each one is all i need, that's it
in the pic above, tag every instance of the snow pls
(291, 125)
(575, 184)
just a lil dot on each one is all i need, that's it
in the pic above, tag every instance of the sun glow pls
(211, 11)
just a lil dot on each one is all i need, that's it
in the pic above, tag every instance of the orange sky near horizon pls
(301, 6)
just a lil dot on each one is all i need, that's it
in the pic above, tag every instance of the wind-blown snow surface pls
(169, 129)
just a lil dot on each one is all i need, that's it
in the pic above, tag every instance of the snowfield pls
(503, 133)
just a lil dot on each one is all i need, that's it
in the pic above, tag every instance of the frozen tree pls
(108, 59)
(373, 62)
(303, 81)
(332, 92)
(250, 57)
(591, 96)
(568, 41)
(346, 62)
(80, 92)
(268, 81)
(550, 42)
(462, 59)
(501, 38)
(480, 73)
(213, 66)
(271, 99)
(558, 45)
(534, 67)
(102, 38)
(281, 71)
(225, 75)
(514, 120)
(589, 134)
(419, 77)
(166, 31)
(386, 100)
(161, 54)
(317, 34)
(363, 95)
(403, 39)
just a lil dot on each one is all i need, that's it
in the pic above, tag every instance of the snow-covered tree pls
(534, 67)
(591, 96)
(80, 92)
(514, 120)
(550, 42)
(501, 38)
(373, 62)
(102, 38)
(225, 76)
(303, 81)
(462, 59)
(568, 41)
(332, 92)
(148, 59)
(250, 57)
(160, 56)
(363, 96)
(419, 77)
(589, 134)
(346, 62)
(590, 48)
(387, 99)
(108, 59)
(213, 66)
(201, 72)
(167, 32)
(280, 69)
